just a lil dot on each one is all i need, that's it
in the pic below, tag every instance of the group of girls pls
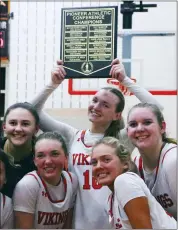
(69, 178)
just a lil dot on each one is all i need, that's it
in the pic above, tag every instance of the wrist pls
(52, 85)
(127, 80)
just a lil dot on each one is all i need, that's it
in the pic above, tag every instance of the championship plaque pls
(89, 41)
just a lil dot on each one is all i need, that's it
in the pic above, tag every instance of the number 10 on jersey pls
(87, 184)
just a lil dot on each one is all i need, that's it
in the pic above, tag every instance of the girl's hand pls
(58, 73)
(117, 70)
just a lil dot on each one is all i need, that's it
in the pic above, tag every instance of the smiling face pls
(106, 165)
(50, 160)
(20, 126)
(143, 128)
(102, 109)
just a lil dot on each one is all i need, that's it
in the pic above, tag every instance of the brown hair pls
(158, 114)
(117, 125)
(53, 136)
(26, 106)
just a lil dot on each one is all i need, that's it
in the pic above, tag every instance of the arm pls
(40, 99)
(130, 193)
(142, 94)
(118, 72)
(24, 199)
(47, 123)
(57, 77)
(24, 220)
(140, 218)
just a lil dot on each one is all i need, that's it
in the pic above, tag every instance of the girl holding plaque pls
(105, 115)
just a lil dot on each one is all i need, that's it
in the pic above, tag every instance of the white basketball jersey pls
(6, 215)
(91, 202)
(119, 219)
(52, 214)
(160, 189)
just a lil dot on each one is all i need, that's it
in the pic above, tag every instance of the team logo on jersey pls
(165, 200)
(44, 194)
(81, 159)
(52, 218)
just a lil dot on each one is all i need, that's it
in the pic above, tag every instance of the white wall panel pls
(31, 50)
(35, 34)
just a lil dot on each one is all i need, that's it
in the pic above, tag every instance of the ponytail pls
(169, 140)
(114, 128)
(116, 125)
